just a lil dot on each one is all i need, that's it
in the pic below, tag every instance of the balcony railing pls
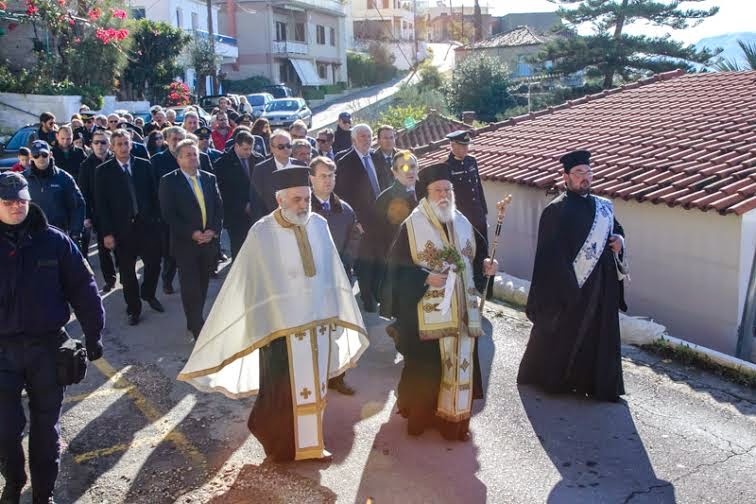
(225, 39)
(289, 47)
(329, 5)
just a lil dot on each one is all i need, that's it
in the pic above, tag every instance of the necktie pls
(200, 199)
(245, 165)
(326, 206)
(371, 175)
(412, 196)
(132, 190)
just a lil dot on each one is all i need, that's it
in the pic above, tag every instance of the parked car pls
(209, 102)
(181, 109)
(258, 101)
(9, 150)
(284, 111)
(279, 91)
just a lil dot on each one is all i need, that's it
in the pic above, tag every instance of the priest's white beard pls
(445, 208)
(298, 218)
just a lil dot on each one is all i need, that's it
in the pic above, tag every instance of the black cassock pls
(575, 340)
(272, 417)
(417, 393)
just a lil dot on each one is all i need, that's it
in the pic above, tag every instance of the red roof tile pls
(433, 128)
(682, 140)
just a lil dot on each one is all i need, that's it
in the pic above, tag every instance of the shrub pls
(363, 70)
(479, 84)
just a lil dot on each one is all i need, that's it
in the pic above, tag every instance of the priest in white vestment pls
(284, 322)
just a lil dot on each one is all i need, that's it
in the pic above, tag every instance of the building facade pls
(294, 42)
(190, 16)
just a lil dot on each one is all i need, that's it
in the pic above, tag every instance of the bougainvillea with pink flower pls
(178, 94)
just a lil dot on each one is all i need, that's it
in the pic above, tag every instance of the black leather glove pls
(94, 351)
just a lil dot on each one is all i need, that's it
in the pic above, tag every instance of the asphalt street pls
(133, 434)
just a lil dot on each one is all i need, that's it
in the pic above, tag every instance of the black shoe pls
(370, 306)
(108, 287)
(155, 305)
(222, 257)
(133, 319)
(214, 274)
(168, 289)
(340, 386)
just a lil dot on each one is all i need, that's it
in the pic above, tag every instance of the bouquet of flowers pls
(452, 257)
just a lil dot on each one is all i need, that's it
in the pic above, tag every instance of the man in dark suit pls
(386, 150)
(100, 154)
(359, 181)
(234, 170)
(191, 205)
(262, 195)
(128, 218)
(164, 163)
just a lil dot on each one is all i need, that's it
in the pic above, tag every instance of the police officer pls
(55, 191)
(203, 138)
(468, 189)
(41, 267)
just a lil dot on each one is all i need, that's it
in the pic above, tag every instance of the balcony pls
(225, 46)
(337, 7)
(289, 47)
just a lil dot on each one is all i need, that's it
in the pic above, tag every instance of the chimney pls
(468, 117)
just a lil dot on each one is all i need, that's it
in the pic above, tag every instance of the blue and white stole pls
(590, 253)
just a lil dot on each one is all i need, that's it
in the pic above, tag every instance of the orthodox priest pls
(284, 322)
(576, 292)
(436, 274)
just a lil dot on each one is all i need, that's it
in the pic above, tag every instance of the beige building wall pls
(689, 268)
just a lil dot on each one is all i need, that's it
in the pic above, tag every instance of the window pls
(323, 71)
(385, 4)
(280, 31)
(321, 34)
(284, 70)
(333, 37)
(195, 21)
(179, 17)
(299, 32)
(138, 13)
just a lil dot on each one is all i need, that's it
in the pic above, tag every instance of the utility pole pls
(414, 23)
(211, 38)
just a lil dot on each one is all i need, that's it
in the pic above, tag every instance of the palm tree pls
(732, 65)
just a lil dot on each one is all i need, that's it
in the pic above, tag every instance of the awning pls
(306, 71)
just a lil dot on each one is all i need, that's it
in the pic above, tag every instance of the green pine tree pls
(610, 52)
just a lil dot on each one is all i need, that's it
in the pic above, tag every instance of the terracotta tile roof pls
(519, 36)
(433, 128)
(681, 140)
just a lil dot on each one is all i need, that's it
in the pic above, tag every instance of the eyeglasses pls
(99, 142)
(282, 146)
(113, 122)
(41, 154)
(581, 173)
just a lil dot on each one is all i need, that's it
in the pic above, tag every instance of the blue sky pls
(734, 16)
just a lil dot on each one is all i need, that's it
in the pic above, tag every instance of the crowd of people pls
(307, 217)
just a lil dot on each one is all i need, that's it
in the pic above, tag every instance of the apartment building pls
(295, 42)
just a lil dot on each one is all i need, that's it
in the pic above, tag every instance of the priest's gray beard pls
(445, 208)
(298, 218)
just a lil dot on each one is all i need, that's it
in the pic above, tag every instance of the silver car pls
(258, 101)
(284, 111)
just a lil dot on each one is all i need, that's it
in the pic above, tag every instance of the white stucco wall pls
(689, 268)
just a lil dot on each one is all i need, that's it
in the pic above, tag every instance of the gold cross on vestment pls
(449, 363)
(305, 393)
(465, 365)
(323, 329)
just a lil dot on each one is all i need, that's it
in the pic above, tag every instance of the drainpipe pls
(745, 331)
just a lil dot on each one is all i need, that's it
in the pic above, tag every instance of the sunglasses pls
(113, 122)
(99, 142)
(282, 146)
(41, 154)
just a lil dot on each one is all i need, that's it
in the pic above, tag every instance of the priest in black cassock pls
(577, 292)
(435, 276)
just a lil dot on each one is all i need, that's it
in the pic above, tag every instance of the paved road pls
(132, 434)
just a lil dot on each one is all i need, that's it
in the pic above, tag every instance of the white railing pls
(287, 46)
(331, 5)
